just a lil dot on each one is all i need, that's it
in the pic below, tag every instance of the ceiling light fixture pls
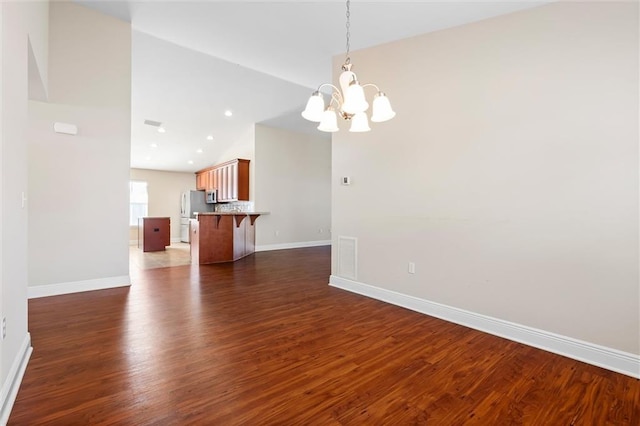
(350, 103)
(210, 137)
(190, 161)
(228, 113)
(161, 130)
(199, 150)
(154, 145)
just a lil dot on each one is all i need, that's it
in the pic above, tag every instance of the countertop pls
(231, 213)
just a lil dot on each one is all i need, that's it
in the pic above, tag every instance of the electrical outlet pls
(320, 231)
(4, 327)
(277, 233)
(412, 268)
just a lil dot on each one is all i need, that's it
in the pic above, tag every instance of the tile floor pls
(177, 254)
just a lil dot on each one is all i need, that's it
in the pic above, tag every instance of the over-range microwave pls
(211, 197)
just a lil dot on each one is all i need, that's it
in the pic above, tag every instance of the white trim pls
(13, 381)
(601, 356)
(284, 246)
(77, 286)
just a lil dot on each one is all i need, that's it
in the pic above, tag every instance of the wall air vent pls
(152, 123)
(347, 258)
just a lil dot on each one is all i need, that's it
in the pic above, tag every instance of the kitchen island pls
(154, 233)
(219, 237)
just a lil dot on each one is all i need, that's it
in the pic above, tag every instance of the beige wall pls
(510, 174)
(21, 23)
(293, 183)
(78, 215)
(164, 189)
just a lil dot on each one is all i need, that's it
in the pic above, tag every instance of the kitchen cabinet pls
(230, 180)
(213, 178)
(234, 182)
(222, 237)
(201, 181)
(154, 233)
(210, 180)
(194, 241)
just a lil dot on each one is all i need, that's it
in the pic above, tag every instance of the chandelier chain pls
(348, 100)
(348, 26)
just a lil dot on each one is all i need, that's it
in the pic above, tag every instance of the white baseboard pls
(611, 359)
(12, 383)
(77, 286)
(284, 246)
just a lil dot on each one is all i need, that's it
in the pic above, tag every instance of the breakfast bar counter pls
(218, 237)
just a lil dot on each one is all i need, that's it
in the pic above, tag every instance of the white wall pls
(510, 174)
(293, 183)
(198, 92)
(165, 189)
(21, 23)
(78, 216)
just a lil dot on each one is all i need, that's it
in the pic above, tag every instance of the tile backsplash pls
(235, 206)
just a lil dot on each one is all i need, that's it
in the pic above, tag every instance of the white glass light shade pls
(346, 77)
(354, 100)
(381, 109)
(359, 123)
(314, 108)
(329, 121)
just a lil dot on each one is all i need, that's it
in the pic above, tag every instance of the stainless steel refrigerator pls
(191, 202)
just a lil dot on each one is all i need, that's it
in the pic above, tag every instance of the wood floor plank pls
(265, 341)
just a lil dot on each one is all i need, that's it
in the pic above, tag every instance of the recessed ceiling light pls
(154, 145)
(228, 113)
(190, 161)
(199, 150)
(147, 158)
(161, 130)
(210, 137)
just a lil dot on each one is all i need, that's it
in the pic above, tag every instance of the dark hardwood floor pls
(266, 341)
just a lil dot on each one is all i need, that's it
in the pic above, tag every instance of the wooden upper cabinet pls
(242, 180)
(201, 181)
(230, 179)
(222, 184)
(213, 179)
(211, 184)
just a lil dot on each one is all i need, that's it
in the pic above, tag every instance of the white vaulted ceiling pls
(194, 60)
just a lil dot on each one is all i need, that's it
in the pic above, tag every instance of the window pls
(138, 201)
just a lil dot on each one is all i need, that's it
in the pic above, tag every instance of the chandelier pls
(349, 102)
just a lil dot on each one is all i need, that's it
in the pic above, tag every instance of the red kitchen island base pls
(154, 233)
(222, 237)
